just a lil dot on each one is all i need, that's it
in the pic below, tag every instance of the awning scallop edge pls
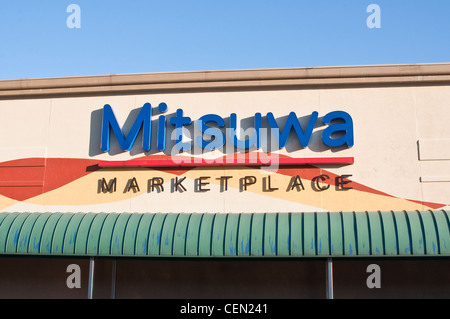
(321, 234)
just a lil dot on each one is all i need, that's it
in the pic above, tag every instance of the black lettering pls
(316, 182)
(267, 185)
(132, 184)
(201, 184)
(296, 182)
(224, 182)
(107, 187)
(246, 181)
(156, 182)
(341, 181)
(176, 185)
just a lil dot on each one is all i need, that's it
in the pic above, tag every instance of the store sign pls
(212, 126)
(171, 173)
(201, 184)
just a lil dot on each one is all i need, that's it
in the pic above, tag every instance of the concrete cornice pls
(234, 80)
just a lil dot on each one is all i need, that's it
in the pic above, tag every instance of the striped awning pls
(321, 234)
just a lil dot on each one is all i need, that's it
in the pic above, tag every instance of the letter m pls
(108, 188)
(143, 120)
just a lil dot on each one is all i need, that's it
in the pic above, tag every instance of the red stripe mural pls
(23, 179)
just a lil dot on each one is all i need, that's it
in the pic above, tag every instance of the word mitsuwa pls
(339, 130)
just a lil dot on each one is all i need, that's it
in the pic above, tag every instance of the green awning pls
(322, 234)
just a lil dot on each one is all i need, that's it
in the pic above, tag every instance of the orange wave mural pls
(65, 181)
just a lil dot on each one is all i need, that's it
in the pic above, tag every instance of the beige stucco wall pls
(390, 121)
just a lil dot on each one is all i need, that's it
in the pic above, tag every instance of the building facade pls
(170, 184)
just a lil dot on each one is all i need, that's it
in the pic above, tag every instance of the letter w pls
(292, 122)
(142, 120)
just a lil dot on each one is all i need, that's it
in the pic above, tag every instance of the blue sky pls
(138, 36)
